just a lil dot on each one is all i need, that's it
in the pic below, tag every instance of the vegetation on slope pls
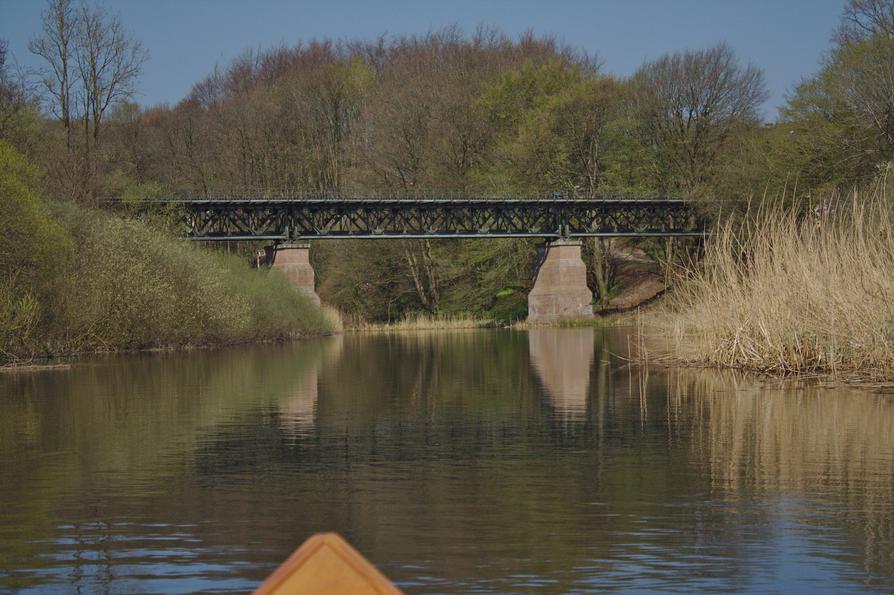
(74, 279)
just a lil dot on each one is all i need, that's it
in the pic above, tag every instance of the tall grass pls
(333, 317)
(786, 292)
(424, 322)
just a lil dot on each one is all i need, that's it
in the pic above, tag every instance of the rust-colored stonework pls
(294, 261)
(560, 291)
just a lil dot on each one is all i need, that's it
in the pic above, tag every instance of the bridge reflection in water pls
(562, 359)
(298, 406)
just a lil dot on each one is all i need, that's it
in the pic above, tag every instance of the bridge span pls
(560, 290)
(319, 217)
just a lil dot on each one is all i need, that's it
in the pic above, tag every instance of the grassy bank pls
(785, 293)
(76, 280)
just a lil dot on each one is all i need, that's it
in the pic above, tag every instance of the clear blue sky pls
(186, 38)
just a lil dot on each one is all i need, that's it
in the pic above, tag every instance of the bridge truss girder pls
(333, 218)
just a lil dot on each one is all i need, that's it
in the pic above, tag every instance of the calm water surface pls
(477, 461)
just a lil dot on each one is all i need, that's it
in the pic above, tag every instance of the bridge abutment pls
(560, 291)
(293, 260)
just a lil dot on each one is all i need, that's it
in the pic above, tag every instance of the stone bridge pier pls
(294, 261)
(560, 291)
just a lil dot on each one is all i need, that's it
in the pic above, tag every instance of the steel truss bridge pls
(288, 219)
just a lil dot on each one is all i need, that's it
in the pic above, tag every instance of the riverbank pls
(75, 281)
(66, 361)
(788, 293)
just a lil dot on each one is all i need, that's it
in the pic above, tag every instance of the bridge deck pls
(282, 219)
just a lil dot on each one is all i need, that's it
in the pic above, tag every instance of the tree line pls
(449, 112)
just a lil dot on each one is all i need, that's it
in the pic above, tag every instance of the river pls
(461, 461)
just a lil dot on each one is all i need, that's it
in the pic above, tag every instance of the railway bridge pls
(560, 290)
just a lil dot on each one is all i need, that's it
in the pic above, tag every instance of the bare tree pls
(861, 69)
(90, 65)
(108, 63)
(688, 105)
(13, 95)
(57, 48)
(867, 18)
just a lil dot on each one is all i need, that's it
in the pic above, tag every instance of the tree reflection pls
(453, 460)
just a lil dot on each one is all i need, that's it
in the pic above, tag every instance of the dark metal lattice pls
(284, 219)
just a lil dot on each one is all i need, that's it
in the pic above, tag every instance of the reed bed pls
(425, 322)
(599, 320)
(788, 292)
(334, 317)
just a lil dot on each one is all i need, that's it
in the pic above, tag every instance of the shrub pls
(74, 280)
(34, 250)
(134, 287)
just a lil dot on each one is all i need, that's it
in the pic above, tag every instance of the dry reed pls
(787, 293)
(424, 322)
(334, 317)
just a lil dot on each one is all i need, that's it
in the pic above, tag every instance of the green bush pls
(75, 280)
(134, 287)
(19, 315)
(508, 306)
(32, 244)
(34, 252)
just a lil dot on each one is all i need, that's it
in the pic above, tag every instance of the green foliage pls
(74, 280)
(822, 137)
(472, 272)
(526, 89)
(355, 76)
(136, 194)
(22, 128)
(34, 253)
(577, 141)
(19, 318)
(133, 287)
(32, 245)
(512, 107)
(508, 306)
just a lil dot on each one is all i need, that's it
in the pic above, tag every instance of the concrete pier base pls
(560, 291)
(294, 261)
